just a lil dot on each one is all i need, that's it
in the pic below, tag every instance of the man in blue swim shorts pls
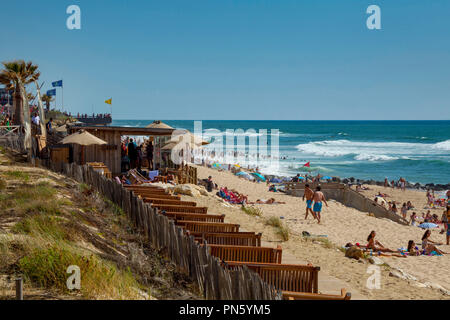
(318, 198)
(308, 194)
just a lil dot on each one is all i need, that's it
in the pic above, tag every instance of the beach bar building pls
(110, 153)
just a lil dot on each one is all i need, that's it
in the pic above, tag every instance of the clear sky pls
(241, 59)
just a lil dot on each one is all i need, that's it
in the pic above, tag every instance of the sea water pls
(416, 150)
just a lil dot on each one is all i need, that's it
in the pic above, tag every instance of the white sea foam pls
(444, 145)
(372, 151)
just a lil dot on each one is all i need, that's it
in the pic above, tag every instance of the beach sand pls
(342, 225)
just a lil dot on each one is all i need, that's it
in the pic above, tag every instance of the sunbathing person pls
(412, 249)
(428, 245)
(270, 201)
(376, 245)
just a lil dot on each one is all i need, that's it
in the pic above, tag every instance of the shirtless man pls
(309, 194)
(318, 198)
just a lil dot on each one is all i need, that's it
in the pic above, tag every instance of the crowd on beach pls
(94, 116)
(134, 153)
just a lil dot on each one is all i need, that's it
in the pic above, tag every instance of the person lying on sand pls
(376, 245)
(269, 201)
(428, 245)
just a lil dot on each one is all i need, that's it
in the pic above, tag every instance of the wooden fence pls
(12, 138)
(192, 258)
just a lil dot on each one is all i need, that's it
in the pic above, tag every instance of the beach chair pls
(180, 208)
(232, 238)
(246, 253)
(288, 295)
(284, 277)
(206, 227)
(159, 196)
(170, 202)
(177, 216)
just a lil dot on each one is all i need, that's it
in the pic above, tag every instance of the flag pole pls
(62, 88)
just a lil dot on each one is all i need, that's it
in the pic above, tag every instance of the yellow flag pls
(109, 101)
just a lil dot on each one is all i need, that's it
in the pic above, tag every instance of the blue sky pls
(222, 59)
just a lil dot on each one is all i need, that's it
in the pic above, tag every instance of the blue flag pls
(51, 92)
(57, 83)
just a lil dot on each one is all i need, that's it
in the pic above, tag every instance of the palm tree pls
(47, 99)
(16, 75)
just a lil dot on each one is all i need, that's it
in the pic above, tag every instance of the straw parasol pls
(83, 138)
(157, 124)
(188, 137)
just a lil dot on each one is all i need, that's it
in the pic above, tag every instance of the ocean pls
(416, 150)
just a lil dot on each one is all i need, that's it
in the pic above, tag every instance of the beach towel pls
(153, 174)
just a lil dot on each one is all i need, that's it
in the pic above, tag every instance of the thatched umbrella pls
(187, 137)
(157, 124)
(83, 138)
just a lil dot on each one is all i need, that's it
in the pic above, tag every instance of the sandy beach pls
(341, 225)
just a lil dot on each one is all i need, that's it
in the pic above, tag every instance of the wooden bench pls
(246, 253)
(198, 236)
(178, 216)
(232, 238)
(160, 196)
(170, 202)
(149, 192)
(141, 187)
(203, 227)
(289, 295)
(185, 209)
(285, 277)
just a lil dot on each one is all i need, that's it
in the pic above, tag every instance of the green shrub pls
(281, 230)
(17, 175)
(45, 226)
(252, 211)
(274, 222)
(48, 268)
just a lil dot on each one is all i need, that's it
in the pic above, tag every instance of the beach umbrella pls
(158, 125)
(187, 136)
(83, 138)
(326, 178)
(62, 128)
(259, 176)
(245, 175)
(275, 180)
(301, 178)
(428, 225)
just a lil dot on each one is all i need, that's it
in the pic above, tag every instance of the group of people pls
(98, 115)
(429, 247)
(232, 196)
(317, 197)
(400, 183)
(133, 155)
(432, 201)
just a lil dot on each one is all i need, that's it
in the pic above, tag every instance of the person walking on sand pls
(447, 223)
(404, 210)
(309, 195)
(318, 197)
